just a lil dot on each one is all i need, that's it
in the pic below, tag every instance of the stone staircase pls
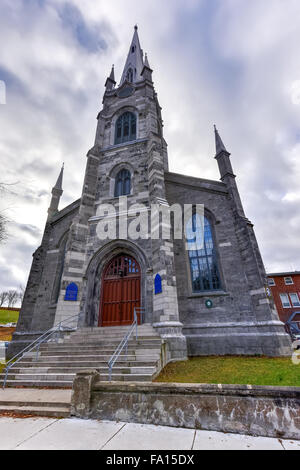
(89, 348)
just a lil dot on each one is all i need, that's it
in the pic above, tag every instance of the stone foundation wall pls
(252, 410)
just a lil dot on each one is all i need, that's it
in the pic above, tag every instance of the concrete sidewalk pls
(75, 434)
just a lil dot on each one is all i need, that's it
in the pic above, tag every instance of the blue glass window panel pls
(71, 292)
(157, 285)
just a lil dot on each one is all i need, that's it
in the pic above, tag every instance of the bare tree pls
(21, 293)
(12, 298)
(3, 298)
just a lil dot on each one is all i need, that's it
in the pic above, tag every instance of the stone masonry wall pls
(242, 409)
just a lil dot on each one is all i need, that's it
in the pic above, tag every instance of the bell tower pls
(124, 178)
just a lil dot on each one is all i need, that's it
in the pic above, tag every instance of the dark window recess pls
(125, 128)
(129, 75)
(123, 183)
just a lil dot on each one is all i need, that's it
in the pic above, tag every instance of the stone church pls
(211, 301)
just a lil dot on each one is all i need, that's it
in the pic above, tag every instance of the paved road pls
(75, 434)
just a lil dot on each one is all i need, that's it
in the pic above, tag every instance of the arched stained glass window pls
(123, 183)
(203, 261)
(125, 128)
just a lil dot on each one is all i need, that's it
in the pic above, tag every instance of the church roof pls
(135, 62)
(66, 211)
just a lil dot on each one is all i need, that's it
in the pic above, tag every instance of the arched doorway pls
(120, 292)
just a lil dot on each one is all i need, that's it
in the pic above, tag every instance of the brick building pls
(210, 301)
(285, 289)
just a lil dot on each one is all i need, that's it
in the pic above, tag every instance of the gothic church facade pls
(211, 301)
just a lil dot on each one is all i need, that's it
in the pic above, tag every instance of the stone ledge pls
(196, 389)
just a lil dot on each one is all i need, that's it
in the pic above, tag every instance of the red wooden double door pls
(120, 292)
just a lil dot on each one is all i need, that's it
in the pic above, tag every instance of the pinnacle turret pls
(220, 147)
(59, 181)
(110, 81)
(56, 195)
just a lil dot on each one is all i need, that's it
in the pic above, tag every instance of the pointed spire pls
(112, 73)
(147, 71)
(59, 181)
(220, 147)
(146, 62)
(110, 81)
(134, 63)
(56, 195)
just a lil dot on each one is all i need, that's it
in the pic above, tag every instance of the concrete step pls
(118, 329)
(51, 411)
(84, 364)
(73, 370)
(115, 336)
(66, 377)
(97, 343)
(87, 358)
(114, 330)
(82, 353)
(51, 382)
(94, 352)
(38, 384)
(112, 340)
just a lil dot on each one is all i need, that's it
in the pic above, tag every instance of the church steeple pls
(134, 64)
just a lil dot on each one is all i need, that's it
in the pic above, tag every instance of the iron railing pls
(55, 330)
(124, 343)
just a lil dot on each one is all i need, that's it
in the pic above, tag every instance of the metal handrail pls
(124, 343)
(36, 343)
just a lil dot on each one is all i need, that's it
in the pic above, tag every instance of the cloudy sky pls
(235, 63)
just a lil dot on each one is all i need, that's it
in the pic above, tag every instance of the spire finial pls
(136, 27)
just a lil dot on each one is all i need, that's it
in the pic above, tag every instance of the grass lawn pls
(233, 370)
(8, 316)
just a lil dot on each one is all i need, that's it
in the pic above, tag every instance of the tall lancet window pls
(125, 128)
(129, 76)
(123, 183)
(203, 262)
